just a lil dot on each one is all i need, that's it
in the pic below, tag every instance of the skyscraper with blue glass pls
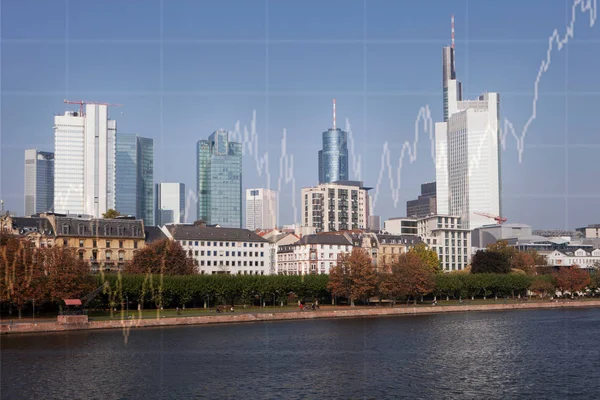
(333, 158)
(219, 180)
(135, 177)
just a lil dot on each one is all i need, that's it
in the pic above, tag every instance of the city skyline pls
(525, 185)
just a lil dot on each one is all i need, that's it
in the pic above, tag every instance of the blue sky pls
(185, 68)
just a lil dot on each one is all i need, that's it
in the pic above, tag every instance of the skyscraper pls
(333, 158)
(468, 154)
(135, 176)
(84, 165)
(219, 180)
(39, 181)
(425, 204)
(170, 203)
(261, 209)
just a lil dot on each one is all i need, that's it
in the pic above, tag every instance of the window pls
(227, 253)
(215, 244)
(108, 244)
(108, 254)
(202, 252)
(94, 243)
(196, 244)
(245, 244)
(94, 229)
(184, 242)
(227, 244)
(208, 263)
(135, 244)
(262, 253)
(239, 253)
(80, 242)
(196, 252)
(120, 244)
(245, 253)
(81, 255)
(202, 243)
(208, 243)
(65, 242)
(221, 244)
(80, 229)
(262, 245)
(121, 256)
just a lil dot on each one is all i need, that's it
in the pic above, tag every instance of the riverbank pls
(333, 312)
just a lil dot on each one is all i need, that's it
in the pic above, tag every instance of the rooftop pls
(194, 232)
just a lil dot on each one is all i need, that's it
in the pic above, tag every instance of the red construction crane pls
(497, 218)
(82, 102)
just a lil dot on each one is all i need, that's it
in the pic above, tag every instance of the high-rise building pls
(39, 181)
(135, 177)
(219, 180)
(425, 204)
(261, 209)
(338, 206)
(170, 203)
(84, 165)
(145, 180)
(467, 153)
(333, 158)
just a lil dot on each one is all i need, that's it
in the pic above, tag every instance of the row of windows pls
(220, 244)
(222, 263)
(108, 243)
(246, 272)
(214, 253)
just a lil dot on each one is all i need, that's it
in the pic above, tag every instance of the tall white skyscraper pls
(261, 209)
(39, 181)
(84, 147)
(170, 203)
(467, 152)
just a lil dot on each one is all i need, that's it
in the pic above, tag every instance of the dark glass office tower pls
(219, 180)
(333, 158)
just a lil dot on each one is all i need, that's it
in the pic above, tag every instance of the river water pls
(542, 354)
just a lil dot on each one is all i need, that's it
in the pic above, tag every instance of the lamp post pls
(127, 305)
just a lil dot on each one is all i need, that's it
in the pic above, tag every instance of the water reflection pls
(518, 354)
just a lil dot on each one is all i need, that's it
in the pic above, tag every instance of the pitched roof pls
(32, 224)
(154, 234)
(192, 232)
(118, 228)
(324, 239)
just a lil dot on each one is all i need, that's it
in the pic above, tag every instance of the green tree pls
(490, 261)
(111, 214)
(542, 286)
(429, 257)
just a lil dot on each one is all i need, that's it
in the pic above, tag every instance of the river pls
(544, 354)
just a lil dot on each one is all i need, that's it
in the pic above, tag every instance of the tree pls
(111, 214)
(501, 246)
(353, 277)
(429, 257)
(542, 287)
(162, 257)
(572, 279)
(524, 261)
(490, 261)
(68, 277)
(23, 279)
(413, 275)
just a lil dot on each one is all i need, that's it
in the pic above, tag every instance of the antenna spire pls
(334, 114)
(452, 23)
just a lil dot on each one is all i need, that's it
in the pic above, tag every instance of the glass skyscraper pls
(39, 181)
(135, 177)
(333, 158)
(219, 180)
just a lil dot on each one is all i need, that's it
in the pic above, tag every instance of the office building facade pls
(467, 153)
(84, 161)
(135, 177)
(333, 157)
(261, 209)
(425, 204)
(329, 207)
(170, 203)
(39, 181)
(219, 180)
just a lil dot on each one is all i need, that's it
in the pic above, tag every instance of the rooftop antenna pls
(452, 23)
(334, 114)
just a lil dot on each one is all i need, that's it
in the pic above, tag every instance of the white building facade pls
(217, 250)
(446, 236)
(84, 149)
(313, 254)
(330, 207)
(261, 209)
(170, 203)
(275, 242)
(580, 257)
(468, 156)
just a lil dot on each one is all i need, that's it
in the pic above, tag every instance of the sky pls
(184, 68)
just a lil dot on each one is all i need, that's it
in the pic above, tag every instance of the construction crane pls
(82, 102)
(497, 218)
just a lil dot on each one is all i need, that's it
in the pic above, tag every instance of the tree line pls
(162, 275)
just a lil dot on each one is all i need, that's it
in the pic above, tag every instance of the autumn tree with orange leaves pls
(572, 279)
(412, 276)
(22, 276)
(68, 277)
(353, 277)
(162, 257)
